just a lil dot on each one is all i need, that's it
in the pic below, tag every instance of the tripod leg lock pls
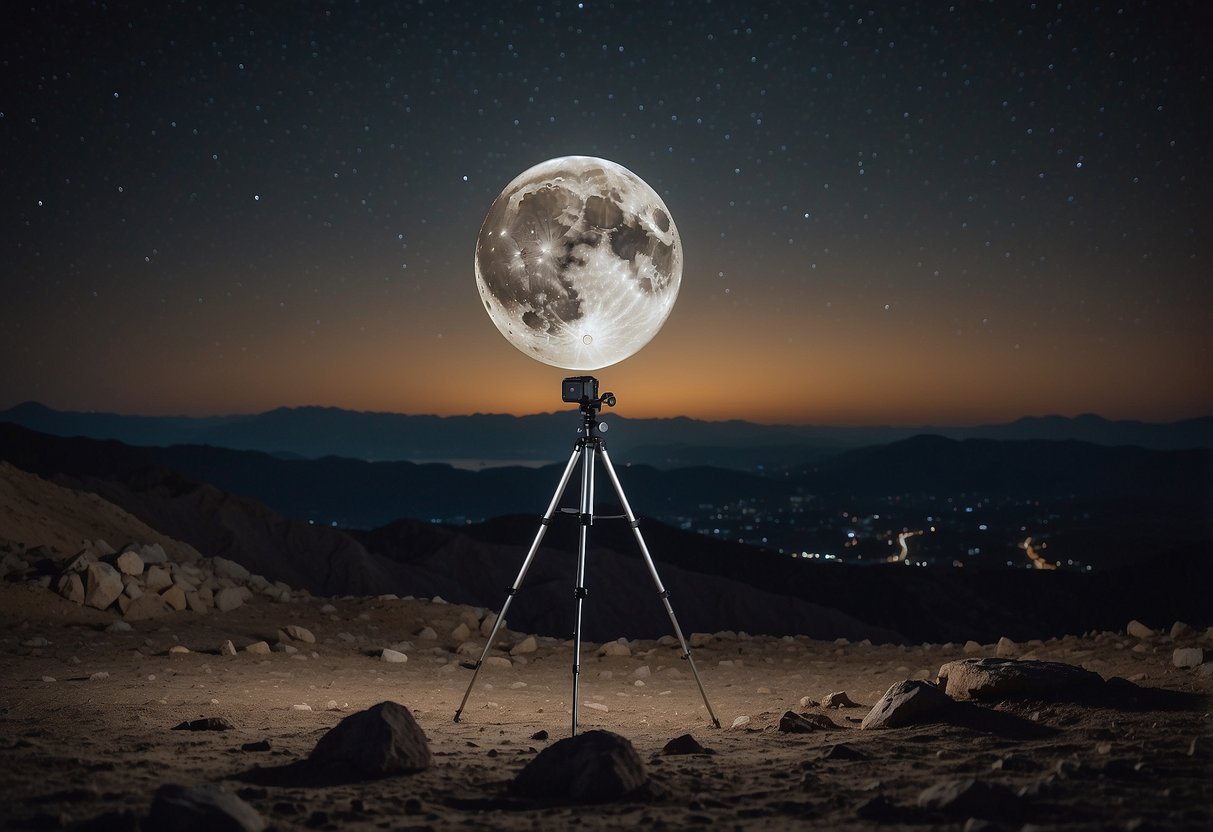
(635, 524)
(580, 593)
(665, 593)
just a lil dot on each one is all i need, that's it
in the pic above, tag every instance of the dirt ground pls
(87, 717)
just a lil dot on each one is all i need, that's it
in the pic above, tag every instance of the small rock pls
(208, 723)
(1188, 657)
(426, 634)
(972, 647)
(838, 699)
(642, 672)
(540, 735)
(1005, 647)
(178, 650)
(809, 702)
(283, 647)
(393, 656)
(35, 641)
(1180, 629)
(328, 609)
(740, 722)
(258, 648)
(489, 622)
(498, 661)
(794, 723)
(99, 676)
(118, 627)
(527, 645)
(260, 745)
(907, 703)
(593, 767)
(153, 553)
(615, 648)
(297, 633)
(1138, 630)
(227, 648)
(301, 707)
(462, 632)
(596, 706)
(686, 744)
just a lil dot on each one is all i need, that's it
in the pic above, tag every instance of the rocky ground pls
(139, 677)
(88, 710)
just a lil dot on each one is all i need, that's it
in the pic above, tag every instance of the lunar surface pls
(578, 262)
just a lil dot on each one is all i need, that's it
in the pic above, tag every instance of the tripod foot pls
(715, 721)
(458, 712)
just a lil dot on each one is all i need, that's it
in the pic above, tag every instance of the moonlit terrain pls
(578, 262)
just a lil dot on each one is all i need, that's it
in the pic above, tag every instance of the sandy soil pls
(86, 725)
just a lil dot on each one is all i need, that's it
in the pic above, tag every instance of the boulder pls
(1011, 678)
(157, 578)
(1138, 630)
(379, 742)
(129, 563)
(195, 808)
(153, 553)
(225, 568)
(102, 585)
(594, 767)
(229, 598)
(71, 587)
(175, 598)
(1179, 629)
(1188, 657)
(907, 703)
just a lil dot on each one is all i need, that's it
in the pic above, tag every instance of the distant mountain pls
(315, 432)
(713, 584)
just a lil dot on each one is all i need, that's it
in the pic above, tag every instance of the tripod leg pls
(587, 517)
(526, 564)
(661, 590)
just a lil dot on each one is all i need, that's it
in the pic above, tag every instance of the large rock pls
(153, 553)
(907, 703)
(1188, 657)
(378, 742)
(71, 587)
(130, 563)
(157, 578)
(1138, 630)
(225, 568)
(229, 598)
(1011, 678)
(594, 767)
(174, 596)
(200, 809)
(102, 585)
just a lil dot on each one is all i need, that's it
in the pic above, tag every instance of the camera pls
(579, 389)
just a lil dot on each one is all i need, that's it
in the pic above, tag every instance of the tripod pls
(589, 446)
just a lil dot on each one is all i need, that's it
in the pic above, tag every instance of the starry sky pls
(891, 213)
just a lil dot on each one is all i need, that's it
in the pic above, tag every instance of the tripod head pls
(584, 391)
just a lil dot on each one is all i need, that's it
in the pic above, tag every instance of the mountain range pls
(715, 584)
(315, 432)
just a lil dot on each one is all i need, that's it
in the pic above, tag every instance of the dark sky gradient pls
(890, 213)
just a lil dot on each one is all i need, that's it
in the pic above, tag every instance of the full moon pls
(578, 262)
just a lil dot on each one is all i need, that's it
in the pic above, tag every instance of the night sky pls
(891, 214)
